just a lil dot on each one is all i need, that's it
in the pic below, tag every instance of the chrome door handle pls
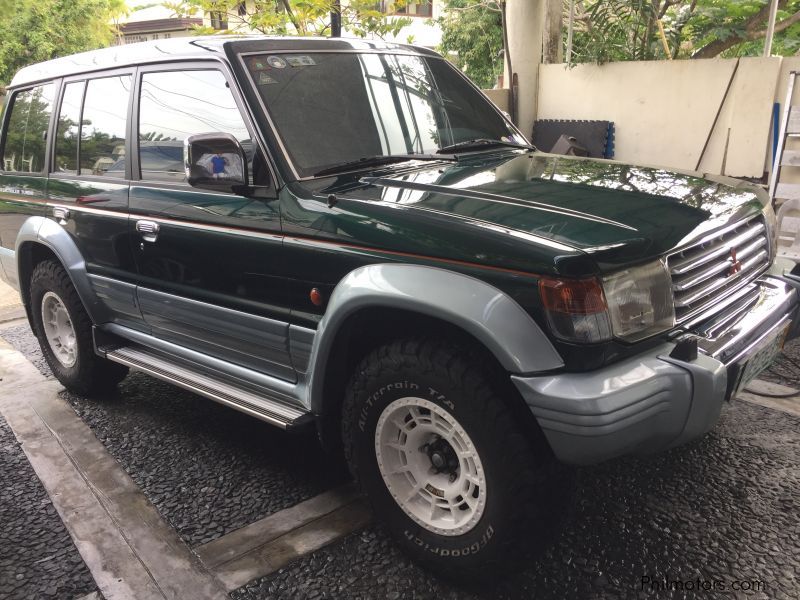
(148, 229)
(61, 214)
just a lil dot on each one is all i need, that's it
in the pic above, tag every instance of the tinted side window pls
(105, 108)
(175, 105)
(25, 139)
(69, 120)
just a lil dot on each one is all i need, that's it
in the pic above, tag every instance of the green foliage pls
(296, 17)
(472, 37)
(616, 30)
(36, 30)
(726, 20)
(609, 30)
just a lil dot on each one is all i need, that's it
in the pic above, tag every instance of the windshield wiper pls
(380, 159)
(480, 142)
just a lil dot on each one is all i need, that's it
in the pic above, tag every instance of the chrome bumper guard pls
(759, 311)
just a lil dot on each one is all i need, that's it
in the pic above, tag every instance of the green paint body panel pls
(506, 218)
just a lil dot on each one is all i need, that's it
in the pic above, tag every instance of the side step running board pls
(262, 406)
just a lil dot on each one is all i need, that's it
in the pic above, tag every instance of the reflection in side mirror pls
(215, 161)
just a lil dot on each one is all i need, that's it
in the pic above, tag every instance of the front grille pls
(705, 273)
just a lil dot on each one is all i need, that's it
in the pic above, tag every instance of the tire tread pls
(538, 473)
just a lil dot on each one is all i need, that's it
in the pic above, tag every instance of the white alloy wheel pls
(430, 466)
(58, 329)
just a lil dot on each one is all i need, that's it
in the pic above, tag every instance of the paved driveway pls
(719, 515)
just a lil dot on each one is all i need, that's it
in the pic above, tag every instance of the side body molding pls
(40, 230)
(476, 307)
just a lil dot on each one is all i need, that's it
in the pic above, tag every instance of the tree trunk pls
(552, 51)
(336, 19)
(288, 8)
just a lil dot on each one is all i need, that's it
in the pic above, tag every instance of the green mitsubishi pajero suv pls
(348, 235)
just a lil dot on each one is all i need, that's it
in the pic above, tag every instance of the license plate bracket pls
(761, 357)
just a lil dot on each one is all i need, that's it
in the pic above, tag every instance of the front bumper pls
(653, 401)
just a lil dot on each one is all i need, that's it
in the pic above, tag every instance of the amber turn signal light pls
(572, 296)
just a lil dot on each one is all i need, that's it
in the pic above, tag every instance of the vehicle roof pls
(196, 47)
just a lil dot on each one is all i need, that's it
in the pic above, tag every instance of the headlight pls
(629, 305)
(640, 301)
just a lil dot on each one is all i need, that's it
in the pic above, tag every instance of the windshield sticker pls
(276, 62)
(264, 79)
(300, 61)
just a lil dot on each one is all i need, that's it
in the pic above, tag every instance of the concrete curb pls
(790, 403)
(273, 542)
(130, 551)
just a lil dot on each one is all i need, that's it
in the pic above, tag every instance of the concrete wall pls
(500, 97)
(422, 31)
(664, 111)
(526, 33)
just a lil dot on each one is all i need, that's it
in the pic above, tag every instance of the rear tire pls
(414, 405)
(64, 330)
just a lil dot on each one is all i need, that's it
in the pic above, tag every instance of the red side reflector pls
(572, 296)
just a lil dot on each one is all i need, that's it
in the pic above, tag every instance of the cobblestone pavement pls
(37, 556)
(723, 509)
(206, 468)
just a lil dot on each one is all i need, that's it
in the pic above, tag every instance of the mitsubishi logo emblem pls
(736, 265)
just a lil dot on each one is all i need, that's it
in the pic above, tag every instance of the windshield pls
(334, 108)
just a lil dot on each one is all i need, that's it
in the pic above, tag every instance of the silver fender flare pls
(44, 231)
(476, 307)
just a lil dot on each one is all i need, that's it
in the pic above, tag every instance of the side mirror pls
(216, 162)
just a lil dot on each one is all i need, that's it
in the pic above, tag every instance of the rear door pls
(208, 262)
(23, 174)
(89, 181)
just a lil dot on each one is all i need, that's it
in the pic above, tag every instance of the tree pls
(36, 30)
(472, 36)
(614, 30)
(608, 30)
(739, 28)
(294, 17)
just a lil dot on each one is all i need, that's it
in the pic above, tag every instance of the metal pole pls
(570, 25)
(336, 19)
(512, 97)
(773, 12)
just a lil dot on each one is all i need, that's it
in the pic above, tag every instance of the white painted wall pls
(422, 31)
(664, 110)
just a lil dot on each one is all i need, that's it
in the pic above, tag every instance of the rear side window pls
(26, 134)
(176, 104)
(69, 121)
(102, 132)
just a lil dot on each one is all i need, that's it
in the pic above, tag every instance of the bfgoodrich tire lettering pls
(525, 492)
(82, 371)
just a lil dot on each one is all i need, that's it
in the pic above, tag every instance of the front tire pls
(461, 485)
(64, 330)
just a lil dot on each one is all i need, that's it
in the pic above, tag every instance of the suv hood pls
(618, 213)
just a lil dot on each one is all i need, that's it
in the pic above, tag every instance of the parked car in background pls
(348, 235)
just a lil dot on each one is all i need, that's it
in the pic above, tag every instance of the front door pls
(208, 262)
